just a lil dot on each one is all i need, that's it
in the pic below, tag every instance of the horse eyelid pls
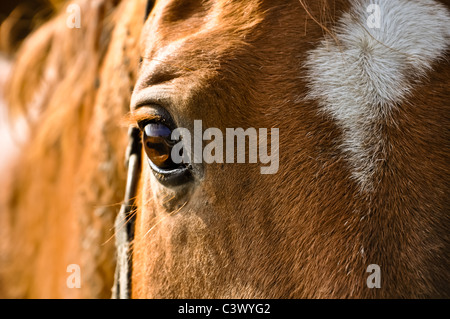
(139, 120)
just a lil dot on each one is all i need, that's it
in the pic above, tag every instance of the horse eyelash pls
(134, 119)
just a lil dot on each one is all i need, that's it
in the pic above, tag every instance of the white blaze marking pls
(360, 79)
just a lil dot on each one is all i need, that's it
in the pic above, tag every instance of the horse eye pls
(158, 145)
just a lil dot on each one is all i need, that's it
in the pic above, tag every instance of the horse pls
(357, 89)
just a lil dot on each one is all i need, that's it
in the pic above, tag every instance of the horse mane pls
(73, 87)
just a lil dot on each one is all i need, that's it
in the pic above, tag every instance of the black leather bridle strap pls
(149, 8)
(125, 220)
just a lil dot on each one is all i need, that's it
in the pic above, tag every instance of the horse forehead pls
(173, 23)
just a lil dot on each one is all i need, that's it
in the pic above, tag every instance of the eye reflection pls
(158, 145)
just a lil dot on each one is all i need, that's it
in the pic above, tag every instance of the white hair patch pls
(379, 52)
